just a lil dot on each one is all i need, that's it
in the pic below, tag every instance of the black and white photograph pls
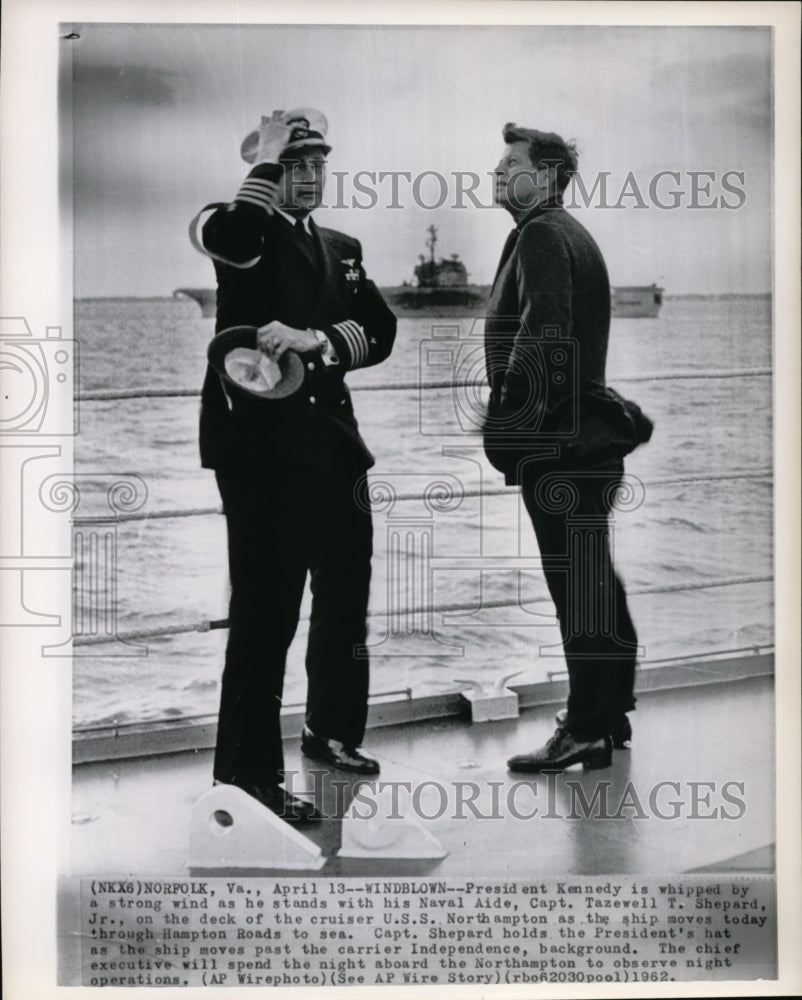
(400, 446)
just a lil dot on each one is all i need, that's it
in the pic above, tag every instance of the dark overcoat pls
(546, 336)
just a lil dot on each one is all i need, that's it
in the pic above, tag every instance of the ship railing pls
(203, 625)
(211, 624)
(492, 491)
(115, 739)
(102, 395)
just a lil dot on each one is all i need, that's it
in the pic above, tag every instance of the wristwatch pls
(326, 350)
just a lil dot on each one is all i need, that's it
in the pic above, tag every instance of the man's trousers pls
(283, 524)
(570, 511)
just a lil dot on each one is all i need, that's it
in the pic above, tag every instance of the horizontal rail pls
(407, 695)
(98, 395)
(163, 514)
(467, 494)
(756, 650)
(207, 625)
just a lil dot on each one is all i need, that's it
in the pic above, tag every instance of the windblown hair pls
(546, 149)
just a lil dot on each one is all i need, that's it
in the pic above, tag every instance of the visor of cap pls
(312, 119)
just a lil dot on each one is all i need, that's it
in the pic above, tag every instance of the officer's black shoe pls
(337, 755)
(621, 733)
(278, 800)
(561, 751)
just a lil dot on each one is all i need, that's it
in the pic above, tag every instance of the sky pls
(158, 112)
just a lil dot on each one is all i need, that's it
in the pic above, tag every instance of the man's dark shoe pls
(278, 800)
(621, 733)
(337, 755)
(561, 751)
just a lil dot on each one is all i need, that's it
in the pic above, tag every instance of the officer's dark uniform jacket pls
(266, 271)
(546, 337)
(286, 470)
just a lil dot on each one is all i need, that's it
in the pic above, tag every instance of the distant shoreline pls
(394, 288)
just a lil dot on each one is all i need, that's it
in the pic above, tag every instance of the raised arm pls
(233, 234)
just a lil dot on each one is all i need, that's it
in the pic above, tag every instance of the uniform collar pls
(292, 219)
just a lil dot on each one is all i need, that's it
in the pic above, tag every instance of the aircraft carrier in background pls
(441, 287)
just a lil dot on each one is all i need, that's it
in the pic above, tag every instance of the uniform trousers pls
(570, 512)
(282, 526)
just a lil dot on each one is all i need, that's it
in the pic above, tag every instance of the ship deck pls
(711, 736)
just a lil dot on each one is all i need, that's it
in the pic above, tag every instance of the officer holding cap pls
(295, 313)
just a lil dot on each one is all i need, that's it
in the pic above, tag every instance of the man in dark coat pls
(289, 469)
(555, 429)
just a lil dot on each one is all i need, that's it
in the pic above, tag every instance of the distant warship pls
(437, 283)
(443, 286)
(636, 301)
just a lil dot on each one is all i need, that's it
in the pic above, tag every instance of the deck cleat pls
(230, 829)
(385, 828)
(491, 701)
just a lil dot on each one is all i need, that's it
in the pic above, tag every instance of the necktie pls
(308, 243)
(302, 233)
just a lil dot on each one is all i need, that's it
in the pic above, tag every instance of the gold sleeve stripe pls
(258, 192)
(356, 341)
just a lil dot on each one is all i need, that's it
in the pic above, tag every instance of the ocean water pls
(456, 548)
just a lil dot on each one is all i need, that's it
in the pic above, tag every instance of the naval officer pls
(288, 466)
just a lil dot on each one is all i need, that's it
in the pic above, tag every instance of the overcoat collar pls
(533, 213)
(512, 238)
